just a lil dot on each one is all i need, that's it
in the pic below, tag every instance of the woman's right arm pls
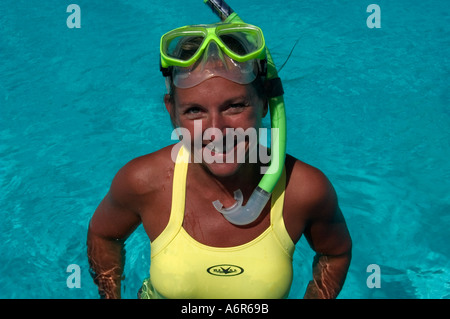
(113, 221)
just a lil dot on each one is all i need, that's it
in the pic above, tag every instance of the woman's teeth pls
(219, 147)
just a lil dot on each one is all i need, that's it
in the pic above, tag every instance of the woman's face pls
(214, 113)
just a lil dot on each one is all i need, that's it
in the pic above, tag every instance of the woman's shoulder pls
(145, 173)
(307, 187)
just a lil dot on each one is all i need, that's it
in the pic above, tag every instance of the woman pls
(217, 83)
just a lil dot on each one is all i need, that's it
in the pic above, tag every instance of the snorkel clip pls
(239, 214)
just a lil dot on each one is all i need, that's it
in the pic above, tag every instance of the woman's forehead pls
(213, 90)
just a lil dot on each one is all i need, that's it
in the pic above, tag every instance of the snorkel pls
(238, 213)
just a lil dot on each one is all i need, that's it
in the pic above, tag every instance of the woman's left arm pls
(332, 243)
(327, 234)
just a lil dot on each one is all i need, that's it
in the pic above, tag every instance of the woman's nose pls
(216, 125)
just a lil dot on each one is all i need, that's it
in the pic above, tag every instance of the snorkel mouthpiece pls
(239, 214)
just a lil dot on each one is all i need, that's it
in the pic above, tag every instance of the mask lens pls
(241, 42)
(234, 43)
(183, 47)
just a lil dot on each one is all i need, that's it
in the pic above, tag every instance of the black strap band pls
(274, 87)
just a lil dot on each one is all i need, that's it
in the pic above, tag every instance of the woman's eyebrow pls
(187, 105)
(231, 100)
(236, 99)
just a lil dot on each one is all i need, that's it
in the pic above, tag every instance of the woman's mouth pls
(219, 148)
(232, 150)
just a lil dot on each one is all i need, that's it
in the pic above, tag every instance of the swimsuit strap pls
(178, 203)
(179, 188)
(276, 215)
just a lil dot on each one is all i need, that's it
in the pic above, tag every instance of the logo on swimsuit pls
(225, 270)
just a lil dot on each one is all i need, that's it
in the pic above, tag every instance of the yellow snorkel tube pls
(239, 214)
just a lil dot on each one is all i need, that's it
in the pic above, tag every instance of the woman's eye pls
(193, 110)
(237, 107)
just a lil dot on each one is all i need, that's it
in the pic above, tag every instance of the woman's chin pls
(222, 170)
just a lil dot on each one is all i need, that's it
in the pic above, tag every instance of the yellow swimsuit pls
(181, 267)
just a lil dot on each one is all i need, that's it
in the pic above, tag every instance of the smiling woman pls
(215, 85)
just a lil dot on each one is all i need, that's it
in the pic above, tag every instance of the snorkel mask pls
(193, 54)
(236, 51)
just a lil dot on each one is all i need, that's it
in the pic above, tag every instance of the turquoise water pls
(369, 107)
